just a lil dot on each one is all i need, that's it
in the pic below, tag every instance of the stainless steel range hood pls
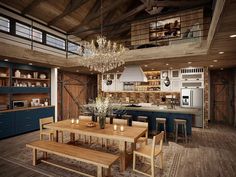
(133, 73)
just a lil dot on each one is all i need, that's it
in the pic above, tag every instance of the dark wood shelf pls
(33, 79)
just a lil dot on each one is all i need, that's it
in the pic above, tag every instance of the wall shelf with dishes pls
(153, 82)
(23, 83)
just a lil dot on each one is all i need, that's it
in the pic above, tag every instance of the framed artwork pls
(164, 29)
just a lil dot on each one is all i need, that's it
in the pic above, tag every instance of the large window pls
(55, 41)
(23, 30)
(37, 35)
(72, 47)
(4, 24)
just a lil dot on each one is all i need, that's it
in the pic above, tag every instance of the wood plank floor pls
(210, 153)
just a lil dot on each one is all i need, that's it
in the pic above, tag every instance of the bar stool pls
(182, 123)
(142, 118)
(160, 120)
(128, 118)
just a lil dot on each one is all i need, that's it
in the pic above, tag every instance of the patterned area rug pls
(14, 150)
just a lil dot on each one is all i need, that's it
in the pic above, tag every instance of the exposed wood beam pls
(30, 7)
(92, 16)
(71, 6)
(178, 3)
(118, 20)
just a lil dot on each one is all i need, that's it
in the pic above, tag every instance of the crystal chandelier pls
(102, 55)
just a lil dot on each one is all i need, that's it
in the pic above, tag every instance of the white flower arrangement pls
(102, 105)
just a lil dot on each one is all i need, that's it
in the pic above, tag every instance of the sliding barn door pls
(74, 90)
(222, 96)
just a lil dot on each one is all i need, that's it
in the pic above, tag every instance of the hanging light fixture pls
(102, 55)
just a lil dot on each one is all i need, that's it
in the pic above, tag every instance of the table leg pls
(122, 147)
(56, 139)
(72, 137)
(34, 156)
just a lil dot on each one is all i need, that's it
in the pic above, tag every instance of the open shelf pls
(34, 79)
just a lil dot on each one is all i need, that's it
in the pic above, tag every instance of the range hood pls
(133, 73)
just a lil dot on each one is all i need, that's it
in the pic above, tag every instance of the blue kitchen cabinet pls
(7, 124)
(24, 121)
(30, 90)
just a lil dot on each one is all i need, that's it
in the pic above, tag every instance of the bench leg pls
(99, 171)
(34, 157)
(45, 155)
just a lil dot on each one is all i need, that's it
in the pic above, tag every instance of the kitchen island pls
(154, 111)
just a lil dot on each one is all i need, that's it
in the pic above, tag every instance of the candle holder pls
(121, 128)
(77, 121)
(115, 127)
(72, 121)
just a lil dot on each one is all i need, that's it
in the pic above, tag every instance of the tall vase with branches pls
(102, 106)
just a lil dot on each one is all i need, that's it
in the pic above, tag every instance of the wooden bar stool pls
(128, 118)
(142, 118)
(159, 121)
(181, 122)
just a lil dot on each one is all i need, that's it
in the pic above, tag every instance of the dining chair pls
(141, 124)
(150, 152)
(120, 121)
(48, 132)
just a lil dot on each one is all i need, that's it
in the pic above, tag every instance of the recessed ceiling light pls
(221, 69)
(91, 73)
(152, 69)
(117, 71)
(5, 59)
(145, 65)
(215, 61)
(189, 62)
(233, 36)
(221, 53)
(171, 67)
(167, 64)
(30, 63)
(211, 66)
(77, 70)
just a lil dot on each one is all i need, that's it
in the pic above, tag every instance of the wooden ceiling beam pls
(178, 3)
(94, 15)
(30, 6)
(116, 21)
(71, 7)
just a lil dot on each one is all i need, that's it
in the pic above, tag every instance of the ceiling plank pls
(30, 7)
(118, 20)
(71, 6)
(178, 3)
(94, 15)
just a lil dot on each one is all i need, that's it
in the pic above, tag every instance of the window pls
(4, 24)
(72, 47)
(23, 30)
(37, 35)
(55, 41)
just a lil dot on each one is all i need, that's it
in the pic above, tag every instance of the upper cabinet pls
(192, 78)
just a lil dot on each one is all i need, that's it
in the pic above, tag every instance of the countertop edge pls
(23, 109)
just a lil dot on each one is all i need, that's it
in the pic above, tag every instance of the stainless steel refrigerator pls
(193, 98)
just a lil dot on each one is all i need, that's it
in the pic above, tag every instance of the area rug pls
(14, 150)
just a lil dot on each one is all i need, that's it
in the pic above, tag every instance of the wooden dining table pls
(129, 135)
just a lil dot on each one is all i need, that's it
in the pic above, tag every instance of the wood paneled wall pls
(74, 90)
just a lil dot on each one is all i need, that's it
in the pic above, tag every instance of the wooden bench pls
(100, 159)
